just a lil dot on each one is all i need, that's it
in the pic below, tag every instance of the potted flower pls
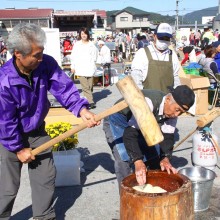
(66, 157)
(58, 128)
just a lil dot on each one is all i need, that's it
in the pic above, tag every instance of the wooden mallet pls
(137, 103)
(141, 111)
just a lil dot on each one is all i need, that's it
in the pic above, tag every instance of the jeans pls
(114, 138)
(114, 127)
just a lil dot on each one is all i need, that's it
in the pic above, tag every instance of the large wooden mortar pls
(176, 204)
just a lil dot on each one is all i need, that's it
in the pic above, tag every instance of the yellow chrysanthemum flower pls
(58, 128)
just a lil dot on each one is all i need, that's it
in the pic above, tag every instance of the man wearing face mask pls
(156, 66)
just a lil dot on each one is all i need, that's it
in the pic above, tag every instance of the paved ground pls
(97, 197)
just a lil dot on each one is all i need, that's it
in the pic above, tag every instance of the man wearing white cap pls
(156, 66)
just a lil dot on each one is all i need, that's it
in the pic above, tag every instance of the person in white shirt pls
(104, 53)
(156, 66)
(83, 63)
(104, 59)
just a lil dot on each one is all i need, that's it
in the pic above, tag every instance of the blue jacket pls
(217, 60)
(23, 108)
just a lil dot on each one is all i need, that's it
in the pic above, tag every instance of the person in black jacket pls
(127, 143)
(178, 101)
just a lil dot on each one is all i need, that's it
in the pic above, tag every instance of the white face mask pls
(162, 44)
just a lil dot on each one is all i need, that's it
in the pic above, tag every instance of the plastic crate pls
(192, 71)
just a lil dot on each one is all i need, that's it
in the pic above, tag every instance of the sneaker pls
(217, 104)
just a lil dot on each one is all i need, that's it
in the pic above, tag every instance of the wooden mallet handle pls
(202, 122)
(116, 108)
(208, 117)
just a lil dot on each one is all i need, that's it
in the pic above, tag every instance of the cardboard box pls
(181, 72)
(200, 87)
(61, 114)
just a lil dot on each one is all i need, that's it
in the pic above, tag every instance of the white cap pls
(101, 42)
(179, 45)
(164, 30)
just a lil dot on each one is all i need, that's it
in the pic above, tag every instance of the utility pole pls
(219, 7)
(177, 14)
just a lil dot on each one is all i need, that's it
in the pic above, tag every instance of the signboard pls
(98, 32)
(68, 33)
(183, 32)
(207, 19)
(52, 46)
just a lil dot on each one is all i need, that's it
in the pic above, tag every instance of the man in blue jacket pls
(24, 82)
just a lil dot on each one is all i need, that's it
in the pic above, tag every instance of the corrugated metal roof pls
(101, 13)
(62, 13)
(25, 13)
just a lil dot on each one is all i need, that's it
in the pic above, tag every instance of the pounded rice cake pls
(148, 188)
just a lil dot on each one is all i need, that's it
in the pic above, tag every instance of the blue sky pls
(159, 6)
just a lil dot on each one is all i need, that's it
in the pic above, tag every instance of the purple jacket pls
(23, 109)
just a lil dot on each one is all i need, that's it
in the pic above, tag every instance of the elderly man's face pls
(31, 61)
(171, 108)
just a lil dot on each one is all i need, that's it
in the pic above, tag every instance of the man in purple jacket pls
(24, 82)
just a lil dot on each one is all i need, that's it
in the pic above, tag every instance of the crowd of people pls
(203, 49)
(3, 51)
(126, 46)
(26, 78)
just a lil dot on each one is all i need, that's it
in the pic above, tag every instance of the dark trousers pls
(108, 67)
(41, 174)
(122, 168)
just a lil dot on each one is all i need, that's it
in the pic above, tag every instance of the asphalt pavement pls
(97, 198)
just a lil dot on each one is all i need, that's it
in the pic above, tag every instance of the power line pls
(65, 1)
(187, 10)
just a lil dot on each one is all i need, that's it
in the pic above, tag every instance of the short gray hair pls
(171, 98)
(23, 35)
